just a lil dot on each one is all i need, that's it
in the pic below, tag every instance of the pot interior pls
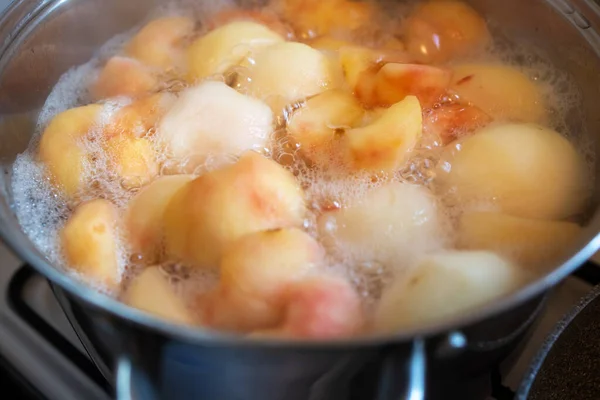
(43, 39)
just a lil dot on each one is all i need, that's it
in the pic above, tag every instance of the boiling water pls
(42, 211)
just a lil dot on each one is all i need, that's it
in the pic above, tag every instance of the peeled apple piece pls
(89, 241)
(395, 81)
(255, 270)
(451, 121)
(287, 72)
(320, 307)
(361, 63)
(392, 225)
(136, 119)
(329, 43)
(501, 91)
(151, 292)
(437, 31)
(226, 46)
(444, 285)
(529, 243)
(319, 17)
(145, 211)
(217, 208)
(264, 17)
(386, 142)
(61, 149)
(261, 262)
(123, 76)
(132, 160)
(158, 43)
(212, 119)
(524, 170)
(314, 126)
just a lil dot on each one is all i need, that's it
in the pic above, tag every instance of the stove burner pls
(17, 303)
(568, 364)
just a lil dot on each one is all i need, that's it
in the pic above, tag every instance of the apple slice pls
(122, 76)
(212, 119)
(145, 215)
(530, 243)
(391, 225)
(319, 17)
(395, 81)
(385, 144)
(139, 117)
(287, 72)
(255, 270)
(263, 16)
(89, 242)
(217, 208)
(225, 47)
(501, 91)
(448, 122)
(158, 43)
(329, 43)
(132, 160)
(314, 126)
(321, 307)
(524, 170)
(442, 286)
(151, 292)
(61, 149)
(437, 31)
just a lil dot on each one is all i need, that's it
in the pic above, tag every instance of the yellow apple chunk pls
(151, 292)
(255, 270)
(529, 243)
(122, 76)
(61, 148)
(212, 119)
(314, 126)
(158, 43)
(144, 218)
(442, 286)
(132, 160)
(524, 170)
(136, 119)
(501, 91)
(391, 225)
(89, 242)
(438, 31)
(385, 144)
(212, 211)
(226, 46)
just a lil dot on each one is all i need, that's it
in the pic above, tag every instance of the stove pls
(42, 357)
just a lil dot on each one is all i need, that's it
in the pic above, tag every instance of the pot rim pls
(195, 334)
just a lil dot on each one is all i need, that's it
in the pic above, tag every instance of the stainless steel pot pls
(151, 359)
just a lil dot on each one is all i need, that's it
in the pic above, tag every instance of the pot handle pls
(123, 379)
(415, 374)
(131, 383)
(388, 383)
